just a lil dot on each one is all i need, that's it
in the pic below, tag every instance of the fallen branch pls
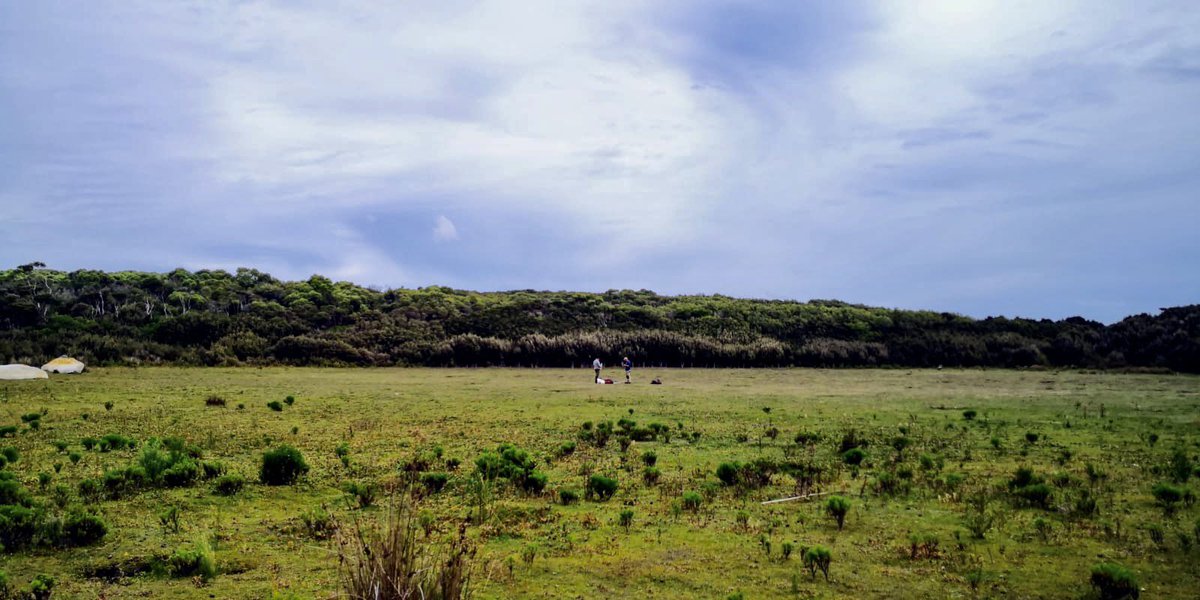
(778, 500)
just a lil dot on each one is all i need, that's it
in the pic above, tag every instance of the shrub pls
(899, 443)
(61, 445)
(922, 544)
(728, 472)
(363, 494)
(1031, 437)
(3, 462)
(83, 529)
(837, 507)
(214, 401)
(787, 549)
(10, 454)
(212, 470)
(229, 484)
(626, 519)
(30, 417)
(11, 492)
(89, 443)
(195, 561)
(1179, 466)
(318, 523)
(41, 587)
(818, 558)
(534, 482)
(8, 431)
(600, 487)
(567, 497)
(290, 400)
(692, 501)
(18, 526)
(969, 414)
(282, 466)
(854, 456)
(182, 473)
(650, 475)
(1114, 582)
(1168, 496)
(850, 439)
(74, 457)
(434, 482)
(89, 490)
(566, 449)
(275, 405)
(1037, 494)
(116, 441)
(391, 558)
(649, 458)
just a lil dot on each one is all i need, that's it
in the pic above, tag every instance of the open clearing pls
(1126, 426)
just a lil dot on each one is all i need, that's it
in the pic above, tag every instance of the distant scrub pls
(213, 317)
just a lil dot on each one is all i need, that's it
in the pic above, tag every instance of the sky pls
(1036, 159)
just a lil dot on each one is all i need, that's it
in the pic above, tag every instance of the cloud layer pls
(1038, 159)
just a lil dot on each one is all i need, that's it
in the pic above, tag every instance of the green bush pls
(290, 400)
(83, 529)
(282, 466)
(363, 494)
(229, 484)
(601, 488)
(1038, 495)
(182, 473)
(1114, 582)
(1031, 437)
(197, 561)
(566, 449)
(969, 414)
(275, 405)
(1179, 466)
(74, 457)
(728, 472)
(41, 587)
(30, 417)
(692, 501)
(212, 469)
(10, 454)
(1168, 496)
(837, 507)
(9, 431)
(61, 445)
(18, 526)
(818, 558)
(626, 519)
(12, 492)
(854, 456)
(534, 482)
(318, 523)
(89, 490)
(649, 458)
(116, 441)
(651, 475)
(567, 497)
(89, 443)
(434, 482)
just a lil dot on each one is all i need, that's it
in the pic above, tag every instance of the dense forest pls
(213, 317)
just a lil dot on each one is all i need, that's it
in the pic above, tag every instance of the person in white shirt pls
(597, 365)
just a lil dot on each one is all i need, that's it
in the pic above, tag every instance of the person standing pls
(627, 364)
(597, 365)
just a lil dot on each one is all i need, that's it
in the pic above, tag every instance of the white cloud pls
(444, 230)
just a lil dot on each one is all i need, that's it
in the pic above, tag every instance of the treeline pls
(213, 317)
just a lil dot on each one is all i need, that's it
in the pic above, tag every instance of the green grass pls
(386, 416)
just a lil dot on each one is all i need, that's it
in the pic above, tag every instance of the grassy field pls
(1126, 426)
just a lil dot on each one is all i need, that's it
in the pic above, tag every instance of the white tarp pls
(63, 364)
(10, 372)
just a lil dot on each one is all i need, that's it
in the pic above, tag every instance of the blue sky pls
(1036, 159)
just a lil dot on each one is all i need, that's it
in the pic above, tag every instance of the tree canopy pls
(214, 317)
